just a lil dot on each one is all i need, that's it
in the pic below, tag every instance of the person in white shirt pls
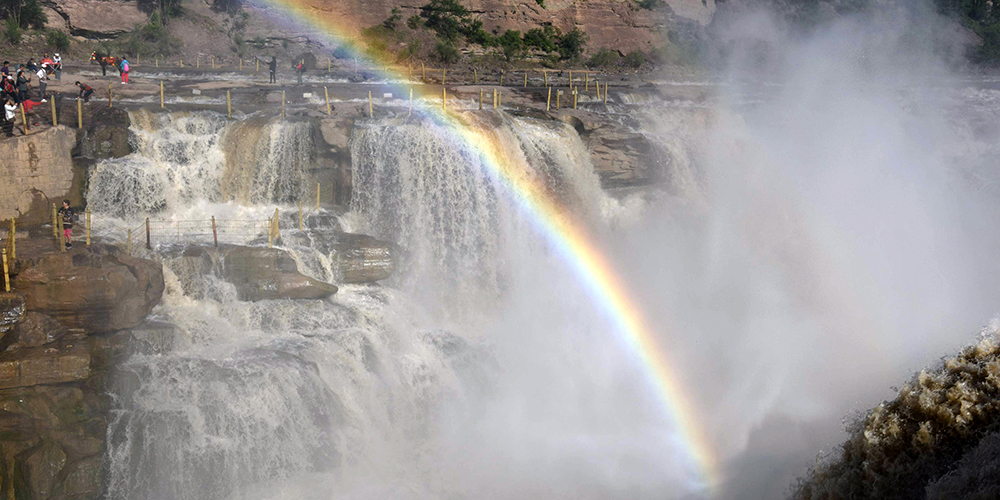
(57, 66)
(42, 76)
(8, 118)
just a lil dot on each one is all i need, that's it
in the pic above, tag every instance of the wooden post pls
(55, 121)
(480, 99)
(475, 76)
(161, 95)
(62, 236)
(444, 99)
(597, 86)
(586, 82)
(317, 197)
(500, 99)
(79, 113)
(326, 93)
(605, 93)
(525, 79)
(241, 64)
(371, 110)
(277, 225)
(558, 93)
(182, 63)
(494, 98)
(409, 111)
(215, 233)
(197, 62)
(546, 75)
(270, 232)
(444, 75)
(258, 65)
(55, 224)
(501, 78)
(128, 243)
(282, 103)
(6, 276)
(548, 100)
(213, 62)
(229, 104)
(300, 216)
(24, 119)
(111, 93)
(571, 78)
(148, 243)
(574, 97)
(88, 226)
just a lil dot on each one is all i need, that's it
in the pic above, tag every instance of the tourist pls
(22, 84)
(32, 67)
(8, 89)
(42, 76)
(28, 105)
(5, 69)
(67, 215)
(85, 91)
(9, 109)
(300, 69)
(57, 66)
(273, 67)
(124, 67)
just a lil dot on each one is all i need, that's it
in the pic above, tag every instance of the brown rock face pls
(107, 134)
(44, 365)
(96, 288)
(364, 259)
(37, 329)
(97, 18)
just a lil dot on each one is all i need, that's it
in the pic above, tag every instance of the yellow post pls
(110, 93)
(410, 110)
(558, 93)
(88, 226)
(55, 225)
(444, 75)
(213, 62)
(501, 78)
(326, 93)
(475, 76)
(197, 62)
(55, 122)
(79, 113)
(24, 119)
(62, 236)
(571, 78)
(605, 93)
(494, 98)
(574, 97)
(317, 196)
(371, 109)
(546, 75)
(257, 70)
(229, 104)
(241, 64)
(548, 100)
(597, 86)
(480, 99)
(161, 95)
(586, 82)
(444, 99)
(500, 99)
(270, 231)
(300, 215)
(525, 79)
(182, 63)
(6, 277)
(277, 225)
(282, 103)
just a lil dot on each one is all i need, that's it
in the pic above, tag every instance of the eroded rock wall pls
(37, 170)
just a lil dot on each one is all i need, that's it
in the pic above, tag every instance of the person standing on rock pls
(57, 65)
(124, 69)
(273, 67)
(300, 69)
(67, 215)
(5, 69)
(22, 85)
(42, 76)
(9, 110)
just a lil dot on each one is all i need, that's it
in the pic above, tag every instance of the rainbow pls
(559, 228)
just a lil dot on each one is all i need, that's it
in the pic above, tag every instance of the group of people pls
(14, 86)
(119, 63)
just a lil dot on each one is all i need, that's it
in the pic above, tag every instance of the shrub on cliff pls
(446, 52)
(57, 40)
(904, 447)
(24, 13)
(12, 31)
(603, 58)
(571, 44)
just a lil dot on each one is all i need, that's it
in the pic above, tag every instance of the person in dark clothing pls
(22, 85)
(273, 67)
(8, 88)
(300, 69)
(67, 214)
(32, 67)
(85, 91)
(5, 69)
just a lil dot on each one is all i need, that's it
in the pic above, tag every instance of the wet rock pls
(96, 288)
(12, 310)
(364, 259)
(257, 273)
(621, 157)
(83, 479)
(44, 365)
(37, 329)
(107, 135)
(36, 470)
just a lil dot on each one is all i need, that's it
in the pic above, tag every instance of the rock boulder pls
(96, 288)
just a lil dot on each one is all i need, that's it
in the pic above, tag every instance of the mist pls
(846, 239)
